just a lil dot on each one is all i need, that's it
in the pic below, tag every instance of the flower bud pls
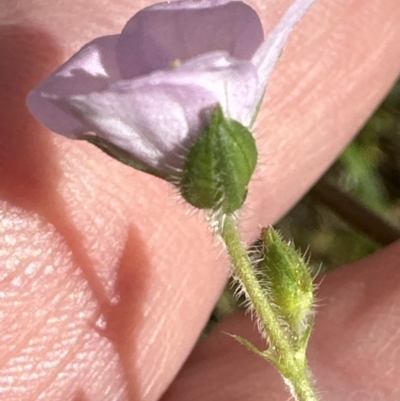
(290, 284)
(219, 165)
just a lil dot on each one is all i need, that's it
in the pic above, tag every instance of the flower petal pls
(233, 82)
(156, 118)
(151, 122)
(268, 53)
(93, 68)
(158, 35)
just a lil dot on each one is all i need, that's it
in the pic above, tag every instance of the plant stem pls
(290, 362)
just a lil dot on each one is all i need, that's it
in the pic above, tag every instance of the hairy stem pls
(290, 362)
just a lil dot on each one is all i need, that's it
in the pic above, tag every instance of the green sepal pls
(219, 165)
(289, 283)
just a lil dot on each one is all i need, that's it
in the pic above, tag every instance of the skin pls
(107, 278)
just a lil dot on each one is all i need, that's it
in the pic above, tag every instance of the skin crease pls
(107, 278)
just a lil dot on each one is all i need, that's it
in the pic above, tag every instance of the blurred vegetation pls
(368, 170)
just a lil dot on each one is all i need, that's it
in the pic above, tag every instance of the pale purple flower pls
(150, 89)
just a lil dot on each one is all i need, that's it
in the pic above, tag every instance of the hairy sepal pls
(219, 165)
